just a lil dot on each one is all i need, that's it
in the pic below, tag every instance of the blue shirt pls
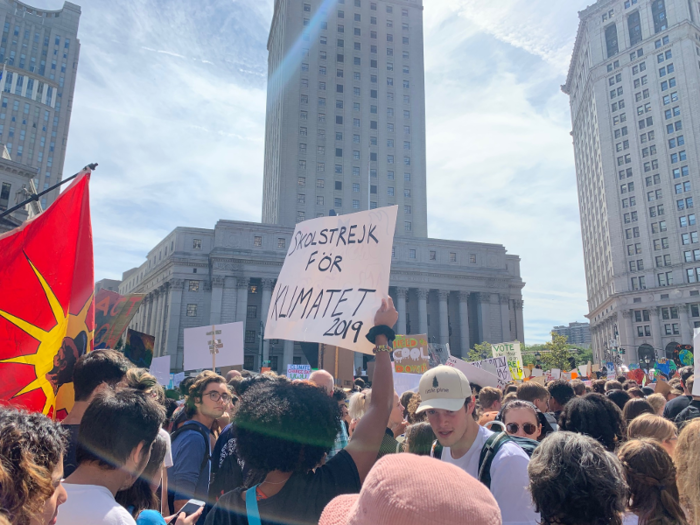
(150, 517)
(185, 477)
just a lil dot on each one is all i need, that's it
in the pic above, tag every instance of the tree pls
(529, 352)
(480, 352)
(557, 353)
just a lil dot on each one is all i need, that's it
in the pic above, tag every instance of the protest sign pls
(497, 366)
(566, 376)
(405, 382)
(160, 369)
(222, 343)
(178, 378)
(610, 367)
(583, 370)
(511, 351)
(139, 348)
(474, 374)
(438, 354)
(113, 313)
(338, 362)
(537, 372)
(662, 387)
(538, 379)
(333, 280)
(595, 368)
(696, 342)
(555, 372)
(298, 371)
(411, 354)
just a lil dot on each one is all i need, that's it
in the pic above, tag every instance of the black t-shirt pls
(301, 501)
(675, 406)
(69, 461)
(692, 411)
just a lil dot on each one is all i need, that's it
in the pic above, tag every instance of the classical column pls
(686, 332)
(655, 330)
(242, 302)
(148, 319)
(628, 332)
(519, 328)
(217, 293)
(266, 285)
(228, 309)
(485, 318)
(444, 317)
(154, 312)
(160, 326)
(422, 294)
(172, 333)
(288, 355)
(505, 317)
(401, 307)
(464, 323)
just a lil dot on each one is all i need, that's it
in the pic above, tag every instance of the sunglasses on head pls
(528, 428)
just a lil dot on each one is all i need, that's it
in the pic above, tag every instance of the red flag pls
(47, 316)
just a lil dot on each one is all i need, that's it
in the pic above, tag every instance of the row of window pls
(634, 26)
(372, 6)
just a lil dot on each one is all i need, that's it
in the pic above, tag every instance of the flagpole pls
(36, 196)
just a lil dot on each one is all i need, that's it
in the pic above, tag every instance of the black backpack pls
(205, 460)
(493, 445)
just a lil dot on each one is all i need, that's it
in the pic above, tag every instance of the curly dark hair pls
(598, 386)
(574, 481)
(651, 477)
(31, 446)
(561, 391)
(198, 387)
(597, 417)
(619, 397)
(285, 426)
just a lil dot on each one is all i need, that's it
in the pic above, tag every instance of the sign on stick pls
(497, 366)
(160, 368)
(298, 371)
(511, 351)
(474, 374)
(411, 354)
(212, 346)
(333, 280)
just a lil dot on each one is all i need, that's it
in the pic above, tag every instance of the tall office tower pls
(39, 50)
(633, 83)
(345, 127)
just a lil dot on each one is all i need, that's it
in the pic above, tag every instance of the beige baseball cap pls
(443, 387)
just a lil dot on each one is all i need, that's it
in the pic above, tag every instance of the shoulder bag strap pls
(251, 506)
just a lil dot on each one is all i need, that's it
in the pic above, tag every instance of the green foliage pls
(557, 353)
(480, 352)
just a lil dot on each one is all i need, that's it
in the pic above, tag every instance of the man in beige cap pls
(448, 402)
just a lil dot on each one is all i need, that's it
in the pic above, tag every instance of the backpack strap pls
(202, 432)
(488, 453)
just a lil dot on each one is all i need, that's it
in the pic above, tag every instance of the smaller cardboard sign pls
(538, 379)
(662, 387)
(439, 354)
(537, 372)
(497, 366)
(527, 372)
(411, 354)
(583, 370)
(566, 376)
(178, 378)
(160, 369)
(555, 373)
(298, 371)
(474, 374)
(596, 368)
(405, 382)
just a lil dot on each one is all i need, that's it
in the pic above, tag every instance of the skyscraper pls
(39, 51)
(632, 84)
(345, 125)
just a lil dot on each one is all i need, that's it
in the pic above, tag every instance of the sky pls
(170, 101)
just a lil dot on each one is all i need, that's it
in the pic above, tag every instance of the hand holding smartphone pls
(193, 506)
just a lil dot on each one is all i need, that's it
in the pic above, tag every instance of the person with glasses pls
(191, 443)
(521, 420)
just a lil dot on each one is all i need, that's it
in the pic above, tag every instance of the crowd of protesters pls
(251, 449)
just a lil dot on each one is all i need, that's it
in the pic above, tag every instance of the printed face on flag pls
(46, 303)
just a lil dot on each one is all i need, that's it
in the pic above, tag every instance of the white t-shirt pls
(168, 459)
(90, 505)
(630, 518)
(509, 479)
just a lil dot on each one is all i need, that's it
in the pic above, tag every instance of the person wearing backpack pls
(191, 444)
(492, 458)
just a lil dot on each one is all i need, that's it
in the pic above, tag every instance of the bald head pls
(323, 379)
(231, 374)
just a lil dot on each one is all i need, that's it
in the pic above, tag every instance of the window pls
(658, 13)
(252, 312)
(635, 28)
(281, 243)
(196, 244)
(191, 310)
(433, 255)
(412, 253)
(338, 202)
(611, 40)
(407, 226)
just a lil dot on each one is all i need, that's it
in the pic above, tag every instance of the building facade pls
(459, 293)
(576, 333)
(40, 50)
(15, 187)
(635, 115)
(345, 126)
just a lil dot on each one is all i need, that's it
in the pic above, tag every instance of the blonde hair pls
(657, 401)
(687, 458)
(651, 426)
(359, 403)
(142, 380)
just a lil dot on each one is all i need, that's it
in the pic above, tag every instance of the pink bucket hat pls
(405, 489)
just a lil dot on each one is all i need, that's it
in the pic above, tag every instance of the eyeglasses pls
(215, 397)
(529, 428)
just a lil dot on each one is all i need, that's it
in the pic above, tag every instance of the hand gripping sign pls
(333, 280)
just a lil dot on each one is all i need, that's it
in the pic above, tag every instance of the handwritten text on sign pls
(511, 351)
(497, 366)
(334, 278)
(298, 371)
(411, 354)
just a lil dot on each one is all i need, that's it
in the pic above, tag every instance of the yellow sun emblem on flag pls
(51, 342)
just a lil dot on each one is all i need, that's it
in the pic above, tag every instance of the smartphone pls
(188, 508)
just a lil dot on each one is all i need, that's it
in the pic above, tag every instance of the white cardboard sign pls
(497, 366)
(333, 280)
(160, 369)
(224, 339)
(474, 374)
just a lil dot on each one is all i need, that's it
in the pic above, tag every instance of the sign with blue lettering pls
(333, 280)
